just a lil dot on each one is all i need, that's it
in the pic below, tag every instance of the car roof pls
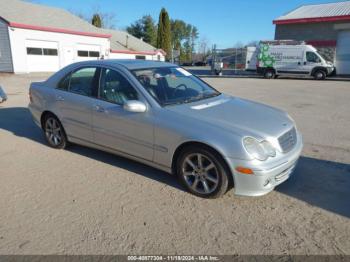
(130, 64)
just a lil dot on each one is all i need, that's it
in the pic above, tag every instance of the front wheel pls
(320, 75)
(203, 172)
(54, 132)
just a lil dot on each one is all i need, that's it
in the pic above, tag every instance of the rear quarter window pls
(64, 83)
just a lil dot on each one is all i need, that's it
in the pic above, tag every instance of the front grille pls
(288, 140)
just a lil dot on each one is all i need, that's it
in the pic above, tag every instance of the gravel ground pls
(83, 201)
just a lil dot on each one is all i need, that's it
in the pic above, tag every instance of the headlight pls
(259, 150)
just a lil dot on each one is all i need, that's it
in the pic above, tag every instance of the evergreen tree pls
(150, 30)
(164, 33)
(96, 20)
(144, 28)
(178, 33)
(136, 29)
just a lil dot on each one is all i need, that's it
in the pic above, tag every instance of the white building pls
(37, 38)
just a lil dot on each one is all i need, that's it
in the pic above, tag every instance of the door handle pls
(299, 63)
(304, 63)
(59, 98)
(99, 109)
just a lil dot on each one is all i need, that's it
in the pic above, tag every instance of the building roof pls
(329, 12)
(122, 41)
(27, 15)
(21, 14)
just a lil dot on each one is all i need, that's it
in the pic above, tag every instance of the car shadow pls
(18, 120)
(127, 164)
(320, 183)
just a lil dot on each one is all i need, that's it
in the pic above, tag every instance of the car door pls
(311, 60)
(74, 98)
(115, 128)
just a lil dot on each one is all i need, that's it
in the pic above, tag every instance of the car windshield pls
(173, 85)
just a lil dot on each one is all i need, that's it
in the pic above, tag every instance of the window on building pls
(50, 52)
(94, 54)
(83, 53)
(312, 57)
(34, 51)
(140, 57)
(115, 88)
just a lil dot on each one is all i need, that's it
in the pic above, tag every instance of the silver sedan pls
(161, 115)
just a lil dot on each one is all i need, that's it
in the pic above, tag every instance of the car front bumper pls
(330, 70)
(265, 178)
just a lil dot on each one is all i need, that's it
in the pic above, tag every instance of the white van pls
(292, 60)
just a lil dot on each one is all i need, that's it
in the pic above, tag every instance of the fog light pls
(267, 182)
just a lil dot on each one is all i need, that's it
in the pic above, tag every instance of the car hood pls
(240, 116)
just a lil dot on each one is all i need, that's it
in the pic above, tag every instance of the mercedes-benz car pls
(161, 115)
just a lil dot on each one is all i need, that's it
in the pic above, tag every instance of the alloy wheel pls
(200, 173)
(53, 131)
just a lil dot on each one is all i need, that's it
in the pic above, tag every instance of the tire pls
(320, 75)
(208, 180)
(269, 74)
(54, 132)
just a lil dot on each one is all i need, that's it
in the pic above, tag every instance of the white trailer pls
(251, 58)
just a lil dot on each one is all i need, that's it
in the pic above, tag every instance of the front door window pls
(311, 57)
(115, 88)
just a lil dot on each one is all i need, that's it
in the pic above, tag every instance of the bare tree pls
(80, 14)
(108, 19)
(253, 43)
(203, 47)
(238, 44)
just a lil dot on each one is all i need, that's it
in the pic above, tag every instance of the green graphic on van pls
(264, 57)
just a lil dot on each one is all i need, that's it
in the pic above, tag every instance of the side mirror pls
(135, 106)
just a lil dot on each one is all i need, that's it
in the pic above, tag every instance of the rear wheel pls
(320, 75)
(54, 132)
(269, 74)
(202, 172)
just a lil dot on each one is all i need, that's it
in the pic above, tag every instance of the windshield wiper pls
(192, 99)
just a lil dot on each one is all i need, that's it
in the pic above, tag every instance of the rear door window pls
(83, 81)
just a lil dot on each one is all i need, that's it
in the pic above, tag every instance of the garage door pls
(343, 53)
(42, 56)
